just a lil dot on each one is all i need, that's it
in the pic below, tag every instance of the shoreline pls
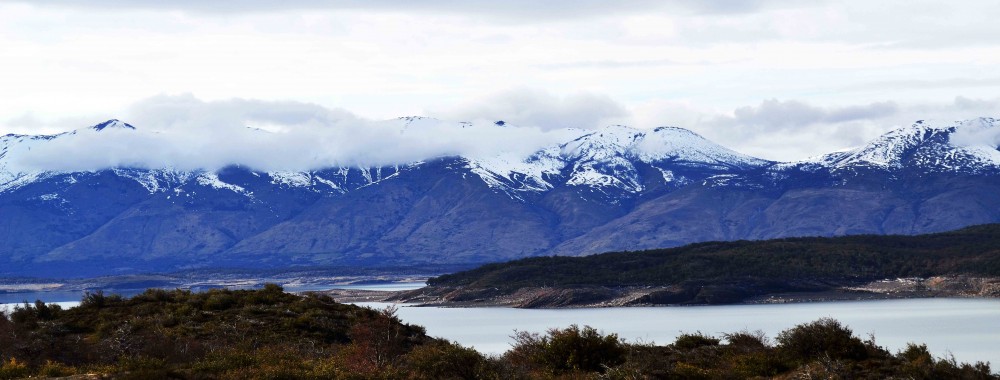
(630, 296)
(661, 296)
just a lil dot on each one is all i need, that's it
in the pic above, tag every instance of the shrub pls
(98, 300)
(444, 361)
(917, 361)
(689, 342)
(219, 301)
(13, 369)
(747, 340)
(567, 350)
(55, 369)
(824, 337)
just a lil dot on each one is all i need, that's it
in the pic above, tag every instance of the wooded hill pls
(970, 251)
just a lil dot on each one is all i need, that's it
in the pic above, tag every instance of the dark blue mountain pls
(612, 189)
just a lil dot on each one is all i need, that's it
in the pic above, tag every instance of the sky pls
(771, 79)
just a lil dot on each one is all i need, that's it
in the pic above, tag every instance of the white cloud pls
(186, 133)
(539, 108)
(977, 137)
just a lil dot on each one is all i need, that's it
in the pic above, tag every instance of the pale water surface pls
(967, 328)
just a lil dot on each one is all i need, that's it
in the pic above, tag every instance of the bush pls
(825, 337)
(917, 361)
(98, 300)
(567, 350)
(219, 301)
(13, 369)
(32, 313)
(689, 342)
(55, 369)
(444, 361)
(747, 340)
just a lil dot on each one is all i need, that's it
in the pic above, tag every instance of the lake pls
(965, 328)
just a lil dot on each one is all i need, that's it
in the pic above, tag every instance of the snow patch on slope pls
(683, 146)
(517, 174)
(291, 179)
(212, 180)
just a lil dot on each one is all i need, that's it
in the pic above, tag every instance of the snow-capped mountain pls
(615, 188)
(923, 146)
(611, 160)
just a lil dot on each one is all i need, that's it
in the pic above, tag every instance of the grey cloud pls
(927, 84)
(986, 105)
(537, 108)
(775, 114)
(875, 110)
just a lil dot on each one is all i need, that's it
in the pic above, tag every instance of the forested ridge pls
(969, 251)
(269, 334)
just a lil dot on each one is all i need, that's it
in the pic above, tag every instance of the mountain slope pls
(610, 189)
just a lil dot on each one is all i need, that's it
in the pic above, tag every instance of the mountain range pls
(612, 189)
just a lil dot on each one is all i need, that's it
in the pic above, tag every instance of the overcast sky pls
(765, 78)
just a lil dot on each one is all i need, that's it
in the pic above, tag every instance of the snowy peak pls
(603, 144)
(112, 124)
(963, 146)
(677, 145)
(611, 160)
(686, 147)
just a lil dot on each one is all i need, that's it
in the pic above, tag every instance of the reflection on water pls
(967, 328)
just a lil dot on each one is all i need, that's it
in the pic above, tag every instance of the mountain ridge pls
(604, 190)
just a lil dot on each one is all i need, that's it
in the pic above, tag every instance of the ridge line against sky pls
(765, 78)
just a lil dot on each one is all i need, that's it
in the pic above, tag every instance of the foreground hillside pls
(726, 272)
(611, 189)
(269, 334)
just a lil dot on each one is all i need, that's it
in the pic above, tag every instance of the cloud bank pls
(185, 133)
(977, 134)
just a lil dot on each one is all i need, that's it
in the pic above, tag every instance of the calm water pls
(969, 329)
